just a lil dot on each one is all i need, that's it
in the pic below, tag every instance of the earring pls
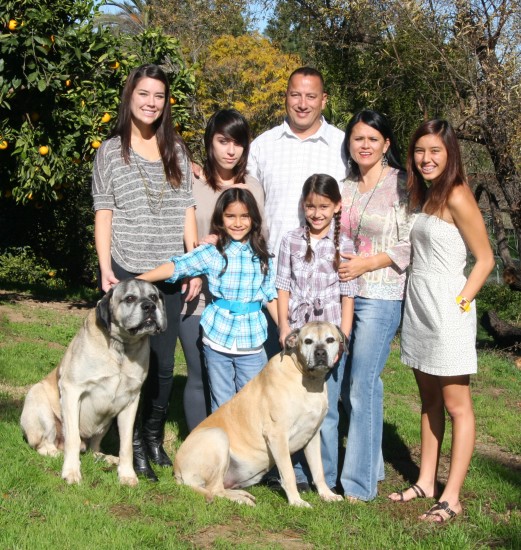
(385, 162)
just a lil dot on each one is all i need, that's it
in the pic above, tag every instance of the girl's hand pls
(209, 239)
(284, 332)
(191, 288)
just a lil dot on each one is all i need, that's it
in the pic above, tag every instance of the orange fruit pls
(106, 117)
(3, 144)
(172, 101)
(12, 25)
(67, 83)
(43, 150)
(96, 143)
(114, 65)
(30, 196)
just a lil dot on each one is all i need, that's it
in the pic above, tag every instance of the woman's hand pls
(353, 268)
(358, 265)
(191, 288)
(108, 280)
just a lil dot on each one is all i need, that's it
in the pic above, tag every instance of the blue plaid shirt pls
(242, 281)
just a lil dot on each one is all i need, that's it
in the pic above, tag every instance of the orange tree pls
(247, 73)
(61, 75)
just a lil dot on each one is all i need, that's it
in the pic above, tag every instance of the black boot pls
(140, 462)
(153, 431)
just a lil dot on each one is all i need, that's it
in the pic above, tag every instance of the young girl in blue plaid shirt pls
(241, 280)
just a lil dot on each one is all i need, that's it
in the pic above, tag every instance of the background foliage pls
(61, 75)
(62, 65)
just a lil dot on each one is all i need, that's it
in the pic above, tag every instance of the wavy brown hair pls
(256, 239)
(453, 175)
(168, 140)
(326, 186)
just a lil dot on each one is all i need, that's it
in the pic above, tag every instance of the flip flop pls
(437, 510)
(420, 493)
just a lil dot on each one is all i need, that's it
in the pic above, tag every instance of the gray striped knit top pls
(148, 215)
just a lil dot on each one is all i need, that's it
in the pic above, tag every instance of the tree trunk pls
(504, 334)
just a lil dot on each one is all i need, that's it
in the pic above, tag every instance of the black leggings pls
(196, 397)
(158, 385)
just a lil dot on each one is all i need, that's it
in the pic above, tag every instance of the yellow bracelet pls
(463, 303)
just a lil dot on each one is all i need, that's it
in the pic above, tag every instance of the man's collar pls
(321, 133)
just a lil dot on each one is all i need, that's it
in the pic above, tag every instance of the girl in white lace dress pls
(439, 323)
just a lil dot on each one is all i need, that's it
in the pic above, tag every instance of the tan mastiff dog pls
(98, 379)
(276, 414)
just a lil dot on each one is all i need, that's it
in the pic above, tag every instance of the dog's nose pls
(149, 306)
(320, 354)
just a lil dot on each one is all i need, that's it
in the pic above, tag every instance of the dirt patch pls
(241, 533)
(125, 511)
(78, 308)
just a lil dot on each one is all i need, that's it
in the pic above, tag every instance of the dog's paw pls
(240, 496)
(109, 459)
(71, 476)
(299, 503)
(131, 481)
(331, 497)
(47, 449)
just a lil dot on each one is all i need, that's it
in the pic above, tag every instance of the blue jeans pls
(228, 373)
(329, 428)
(328, 431)
(374, 327)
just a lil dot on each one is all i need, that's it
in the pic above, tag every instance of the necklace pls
(154, 198)
(356, 238)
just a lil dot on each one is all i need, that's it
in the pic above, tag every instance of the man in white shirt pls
(282, 158)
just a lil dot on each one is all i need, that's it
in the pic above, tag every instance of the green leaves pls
(58, 76)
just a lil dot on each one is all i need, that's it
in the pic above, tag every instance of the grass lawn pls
(38, 510)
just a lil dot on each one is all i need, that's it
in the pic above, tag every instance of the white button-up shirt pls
(282, 162)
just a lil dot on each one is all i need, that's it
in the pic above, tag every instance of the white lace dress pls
(437, 338)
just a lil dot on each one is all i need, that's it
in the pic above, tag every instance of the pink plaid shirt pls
(315, 288)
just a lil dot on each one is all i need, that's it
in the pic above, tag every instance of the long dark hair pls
(453, 175)
(257, 241)
(326, 186)
(168, 140)
(232, 125)
(380, 124)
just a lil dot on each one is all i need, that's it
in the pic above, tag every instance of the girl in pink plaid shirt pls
(309, 289)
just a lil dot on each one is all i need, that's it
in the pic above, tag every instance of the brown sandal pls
(420, 493)
(435, 512)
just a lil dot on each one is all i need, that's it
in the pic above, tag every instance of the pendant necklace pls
(154, 198)
(356, 239)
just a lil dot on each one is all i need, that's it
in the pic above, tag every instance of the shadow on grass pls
(80, 298)
(398, 455)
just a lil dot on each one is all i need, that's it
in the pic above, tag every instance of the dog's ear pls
(290, 343)
(103, 310)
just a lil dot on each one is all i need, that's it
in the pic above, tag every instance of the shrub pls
(21, 265)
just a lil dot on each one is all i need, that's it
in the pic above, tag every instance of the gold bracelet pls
(463, 303)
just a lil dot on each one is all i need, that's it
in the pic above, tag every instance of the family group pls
(303, 223)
